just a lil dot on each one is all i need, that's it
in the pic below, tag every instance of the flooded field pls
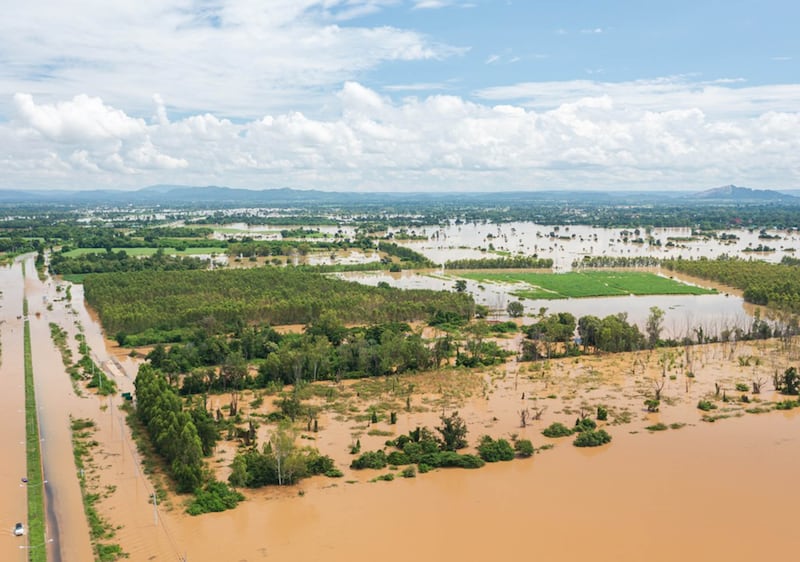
(566, 244)
(683, 313)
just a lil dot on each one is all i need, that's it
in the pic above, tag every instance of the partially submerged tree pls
(453, 431)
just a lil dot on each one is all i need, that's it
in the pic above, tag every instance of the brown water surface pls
(13, 495)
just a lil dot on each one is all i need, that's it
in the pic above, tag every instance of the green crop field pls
(587, 284)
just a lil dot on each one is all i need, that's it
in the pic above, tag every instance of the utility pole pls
(155, 509)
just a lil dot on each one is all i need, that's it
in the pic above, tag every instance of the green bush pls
(524, 448)
(423, 468)
(742, 387)
(492, 451)
(787, 404)
(602, 413)
(586, 424)
(319, 464)
(214, 496)
(657, 427)
(398, 458)
(450, 459)
(592, 438)
(370, 459)
(652, 404)
(706, 405)
(556, 429)
(409, 472)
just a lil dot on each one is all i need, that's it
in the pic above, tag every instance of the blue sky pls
(400, 94)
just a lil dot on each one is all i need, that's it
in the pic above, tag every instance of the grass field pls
(147, 251)
(587, 284)
(34, 457)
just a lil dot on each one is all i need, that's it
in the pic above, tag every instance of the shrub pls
(397, 458)
(492, 451)
(706, 405)
(787, 404)
(385, 477)
(592, 438)
(214, 496)
(334, 473)
(409, 472)
(657, 427)
(319, 464)
(524, 448)
(602, 413)
(742, 387)
(450, 459)
(423, 468)
(586, 424)
(652, 404)
(556, 429)
(370, 459)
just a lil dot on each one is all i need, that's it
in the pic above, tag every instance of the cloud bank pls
(667, 134)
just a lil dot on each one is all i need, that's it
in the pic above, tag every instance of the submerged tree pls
(453, 431)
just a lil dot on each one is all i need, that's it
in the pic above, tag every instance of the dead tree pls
(537, 413)
(524, 414)
(234, 404)
(658, 386)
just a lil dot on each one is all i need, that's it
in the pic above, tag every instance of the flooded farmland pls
(683, 313)
(567, 244)
(696, 489)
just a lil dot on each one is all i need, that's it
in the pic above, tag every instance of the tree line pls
(773, 285)
(515, 262)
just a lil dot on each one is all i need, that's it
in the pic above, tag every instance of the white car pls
(19, 529)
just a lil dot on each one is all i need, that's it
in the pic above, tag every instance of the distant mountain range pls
(735, 193)
(282, 197)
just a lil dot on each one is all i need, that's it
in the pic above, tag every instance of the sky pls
(400, 95)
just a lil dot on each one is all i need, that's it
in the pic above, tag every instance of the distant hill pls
(220, 196)
(735, 193)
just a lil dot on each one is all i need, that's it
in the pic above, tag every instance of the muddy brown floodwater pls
(716, 492)
(13, 495)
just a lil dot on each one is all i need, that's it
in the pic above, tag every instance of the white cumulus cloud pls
(635, 136)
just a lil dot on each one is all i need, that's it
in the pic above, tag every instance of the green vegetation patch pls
(33, 456)
(144, 251)
(135, 301)
(581, 284)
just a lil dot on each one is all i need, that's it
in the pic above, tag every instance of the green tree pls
(654, 325)
(515, 309)
(453, 431)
